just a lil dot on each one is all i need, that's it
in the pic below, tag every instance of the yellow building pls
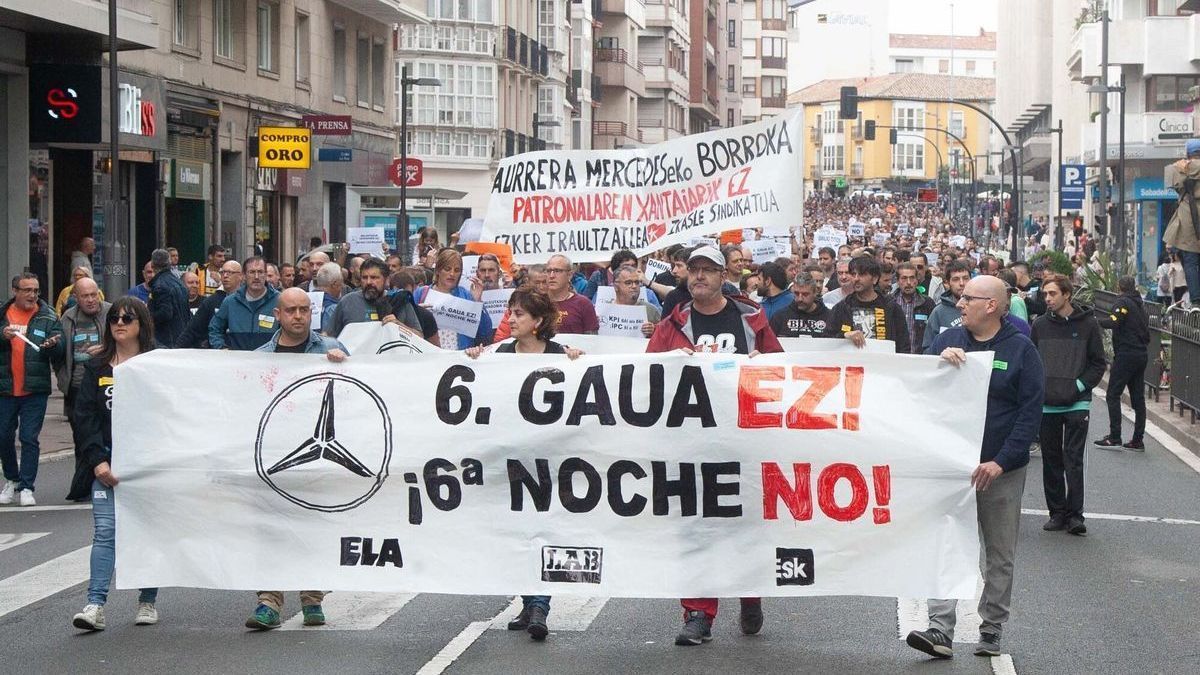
(840, 159)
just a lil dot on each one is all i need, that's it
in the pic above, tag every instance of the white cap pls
(709, 253)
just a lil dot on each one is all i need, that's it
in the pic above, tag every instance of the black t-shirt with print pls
(294, 349)
(724, 329)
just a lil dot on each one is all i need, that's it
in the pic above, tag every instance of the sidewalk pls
(56, 437)
(1177, 423)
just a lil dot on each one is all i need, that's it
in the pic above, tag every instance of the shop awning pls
(84, 22)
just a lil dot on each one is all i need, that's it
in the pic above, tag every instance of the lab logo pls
(324, 443)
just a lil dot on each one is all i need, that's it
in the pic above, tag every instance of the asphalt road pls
(1120, 600)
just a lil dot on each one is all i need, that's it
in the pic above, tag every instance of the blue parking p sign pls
(1071, 181)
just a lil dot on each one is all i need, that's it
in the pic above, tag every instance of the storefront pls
(189, 222)
(1154, 205)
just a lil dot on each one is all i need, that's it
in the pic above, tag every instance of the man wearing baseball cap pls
(1183, 232)
(728, 324)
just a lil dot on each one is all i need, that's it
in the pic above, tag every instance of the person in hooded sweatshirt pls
(946, 314)
(1130, 328)
(1014, 414)
(867, 314)
(1072, 348)
(1183, 232)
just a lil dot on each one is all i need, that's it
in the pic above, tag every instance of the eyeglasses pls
(557, 270)
(969, 298)
(26, 290)
(230, 272)
(114, 319)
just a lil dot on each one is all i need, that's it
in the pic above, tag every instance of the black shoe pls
(1136, 445)
(1055, 524)
(522, 620)
(697, 629)
(537, 623)
(933, 642)
(989, 645)
(1108, 442)
(751, 617)
(1076, 527)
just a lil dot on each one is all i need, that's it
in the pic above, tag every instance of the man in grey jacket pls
(946, 314)
(83, 331)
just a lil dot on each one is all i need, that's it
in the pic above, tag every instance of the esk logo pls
(327, 462)
(794, 567)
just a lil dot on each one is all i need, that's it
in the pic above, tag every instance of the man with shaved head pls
(314, 262)
(1014, 416)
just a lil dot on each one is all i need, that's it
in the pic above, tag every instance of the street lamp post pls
(402, 233)
(1058, 225)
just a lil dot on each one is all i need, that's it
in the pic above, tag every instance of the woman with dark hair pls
(532, 317)
(447, 274)
(427, 241)
(130, 333)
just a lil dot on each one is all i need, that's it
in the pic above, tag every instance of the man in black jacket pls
(168, 300)
(866, 314)
(1072, 349)
(195, 336)
(807, 315)
(1130, 337)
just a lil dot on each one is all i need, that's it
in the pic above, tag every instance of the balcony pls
(616, 69)
(856, 170)
(814, 135)
(776, 62)
(524, 51)
(385, 11)
(607, 134)
(515, 143)
(1138, 42)
(664, 14)
(659, 75)
(635, 10)
(814, 171)
(774, 24)
(779, 102)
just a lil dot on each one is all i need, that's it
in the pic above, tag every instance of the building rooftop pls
(915, 85)
(984, 42)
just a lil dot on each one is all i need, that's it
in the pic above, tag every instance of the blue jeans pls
(542, 601)
(104, 552)
(1191, 272)
(25, 413)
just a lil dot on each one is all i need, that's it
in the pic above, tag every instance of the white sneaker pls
(27, 498)
(9, 491)
(147, 615)
(91, 618)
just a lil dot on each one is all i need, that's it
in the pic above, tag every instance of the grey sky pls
(933, 16)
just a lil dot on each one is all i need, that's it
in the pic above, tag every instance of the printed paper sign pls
(366, 239)
(621, 320)
(495, 303)
(958, 240)
(316, 301)
(452, 313)
(436, 473)
(902, 228)
(856, 230)
(470, 264)
(588, 204)
(656, 267)
(762, 250)
(880, 238)
(609, 294)
(829, 237)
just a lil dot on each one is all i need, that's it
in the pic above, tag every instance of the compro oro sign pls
(284, 148)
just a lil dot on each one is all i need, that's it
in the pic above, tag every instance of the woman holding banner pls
(130, 333)
(447, 273)
(531, 317)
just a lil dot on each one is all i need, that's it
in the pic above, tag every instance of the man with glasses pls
(576, 314)
(83, 328)
(195, 336)
(928, 284)
(627, 290)
(246, 319)
(31, 340)
(1014, 414)
(713, 322)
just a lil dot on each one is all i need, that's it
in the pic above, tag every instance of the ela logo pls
(794, 567)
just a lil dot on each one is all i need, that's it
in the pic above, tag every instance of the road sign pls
(284, 148)
(414, 173)
(927, 195)
(335, 155)
(1071, 181)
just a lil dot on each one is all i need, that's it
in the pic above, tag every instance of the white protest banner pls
(609, 294)
(828, 237)
(656, 267)
(469, 264)
(812, 344)
(782, 475)
(366, 239)
(856, 230)
(614, 344)
(589, 203)
(880, 238)
(495, 303)
(316, 303)
(776, 231)
(453, 313)
(958, 240)
(902, 228)
(621, 320)
(373, 337)
(704, 241)
(761, 250)
(919, 232)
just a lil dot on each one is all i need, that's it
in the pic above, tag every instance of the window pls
(229, 17)
(731, 79)
(832, 123)
(378, 75)
(908, 156)
(774, 87)
(362, 69)
(905, 66)
(547, 23)
(477, 11)
(1169, 93)
(732, 30)
(749, 86)
(302, 50)
(186, 19)
(970, 65)
(943, 66)
(467, 97)
(729, 118)
(268, 36)
(908, 117)
(774, 9)
(339, 63)
(750, 48)
(956, 123)
(833, 158)
(776, 47)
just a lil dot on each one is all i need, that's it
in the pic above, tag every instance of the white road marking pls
(353, 611)
(48, 507)
(1114, 516)
(1173, 446)
(913, 614)
(568, 613)
(8, 541)
(454, 648)
(1003, 665)
(42, 581)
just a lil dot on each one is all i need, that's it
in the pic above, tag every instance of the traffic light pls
(869, 130)
(849, 103)
(1101, 226)
(893, 136)
(1078, 226)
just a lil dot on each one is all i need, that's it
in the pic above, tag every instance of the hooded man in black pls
(867, 314)
(1130, 337)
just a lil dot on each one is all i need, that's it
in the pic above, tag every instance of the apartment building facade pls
(764, 44)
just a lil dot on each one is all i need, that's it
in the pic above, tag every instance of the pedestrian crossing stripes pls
(8, 541)
(44, 580)
(353, 611)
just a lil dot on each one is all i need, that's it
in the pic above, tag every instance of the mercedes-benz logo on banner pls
(324, 443)
(402, 345)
